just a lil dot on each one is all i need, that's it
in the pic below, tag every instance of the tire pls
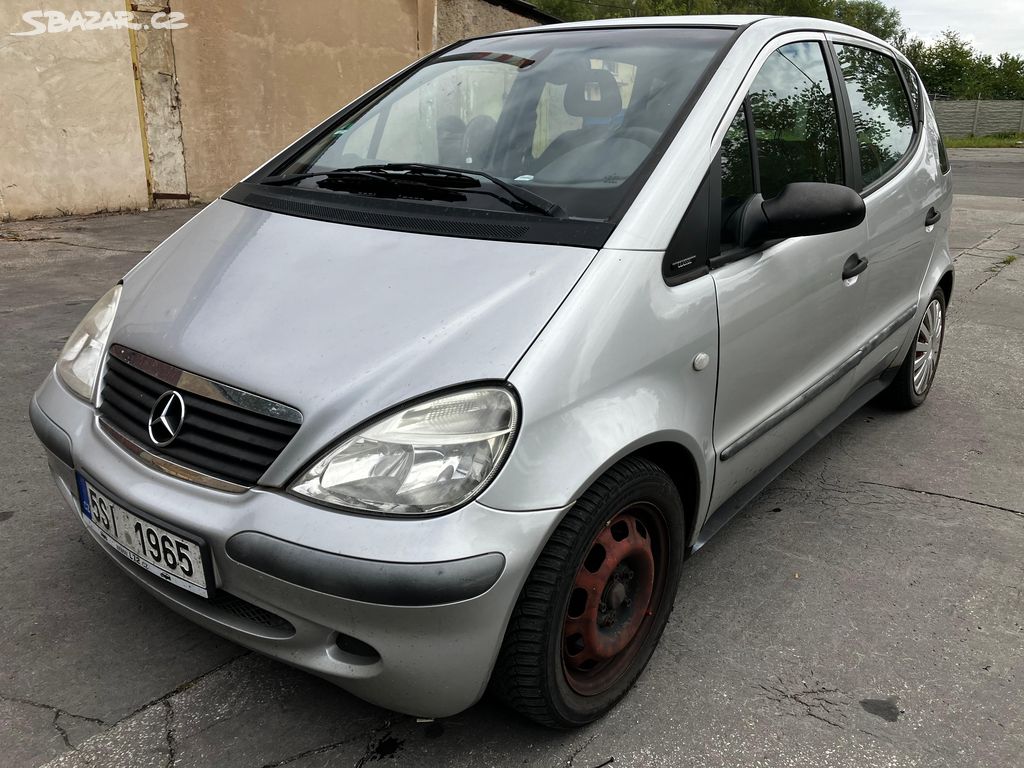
(914, 380)
(573, 647)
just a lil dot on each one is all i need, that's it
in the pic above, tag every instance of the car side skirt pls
(732, 506)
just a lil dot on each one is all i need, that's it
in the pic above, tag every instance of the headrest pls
(593, 93)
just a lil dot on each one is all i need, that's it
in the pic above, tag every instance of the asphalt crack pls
(947, 496)
(987, 253)
(821, 702)
(15, 237)
(62, 731)
(994, 272)
(169, 734)
(164, 701)
(58, 713)
(98, 247)
(184, 686)
(576, 752)
(321, 750)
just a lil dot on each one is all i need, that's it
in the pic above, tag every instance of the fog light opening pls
(356, 651)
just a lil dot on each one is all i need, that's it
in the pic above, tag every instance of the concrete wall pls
(457, 19)
(254, 75)
(69, 124)
(980, 118)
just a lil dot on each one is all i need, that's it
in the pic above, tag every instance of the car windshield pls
(569, 116)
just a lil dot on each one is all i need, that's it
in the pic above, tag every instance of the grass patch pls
(994, 141)
(1010, 258)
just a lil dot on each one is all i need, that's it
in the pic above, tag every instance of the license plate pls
(172, 557)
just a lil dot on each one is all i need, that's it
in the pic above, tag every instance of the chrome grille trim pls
(204, 387)
(167, 466)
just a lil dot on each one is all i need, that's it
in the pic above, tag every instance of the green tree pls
(950, 67)
(1008, 77)
(870, 15)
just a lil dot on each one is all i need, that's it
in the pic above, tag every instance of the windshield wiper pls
(530, 199)
(437, 175)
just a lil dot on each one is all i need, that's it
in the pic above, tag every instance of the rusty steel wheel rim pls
(614, 598)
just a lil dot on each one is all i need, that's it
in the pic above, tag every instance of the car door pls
(898, 175)
(788, 321)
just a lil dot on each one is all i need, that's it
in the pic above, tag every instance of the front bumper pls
(407, 614)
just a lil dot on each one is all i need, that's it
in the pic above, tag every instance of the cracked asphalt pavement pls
(865, 610)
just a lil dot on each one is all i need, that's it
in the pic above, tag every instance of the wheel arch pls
(678, 460)
(680, 465)
(946, 284)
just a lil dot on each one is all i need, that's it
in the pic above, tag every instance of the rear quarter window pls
(943, 157)
(913, 89)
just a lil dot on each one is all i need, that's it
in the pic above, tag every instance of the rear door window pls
(881, 109)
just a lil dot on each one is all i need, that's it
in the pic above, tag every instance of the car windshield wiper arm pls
(524, 196)
(437, 173)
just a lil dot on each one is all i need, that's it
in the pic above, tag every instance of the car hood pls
(340, 322)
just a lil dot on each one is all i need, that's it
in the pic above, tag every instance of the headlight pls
(426, 459)
(80, 360)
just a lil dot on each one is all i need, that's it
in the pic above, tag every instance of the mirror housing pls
(801, 208)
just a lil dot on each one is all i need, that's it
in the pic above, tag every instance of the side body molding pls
(820, 385)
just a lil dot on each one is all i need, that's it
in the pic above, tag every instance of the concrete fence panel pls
(979, 118)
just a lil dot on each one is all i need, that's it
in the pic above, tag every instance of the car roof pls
(758, 24)
(718, 20)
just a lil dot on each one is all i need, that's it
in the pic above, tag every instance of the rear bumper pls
(407, 614)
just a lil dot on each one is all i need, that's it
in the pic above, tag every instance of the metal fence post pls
(977, 108)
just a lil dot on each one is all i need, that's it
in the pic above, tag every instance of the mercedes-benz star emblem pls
(166, 418)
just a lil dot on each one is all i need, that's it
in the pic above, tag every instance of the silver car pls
(441, 397)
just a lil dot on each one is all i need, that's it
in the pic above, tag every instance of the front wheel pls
(914, 380)
(594, 606)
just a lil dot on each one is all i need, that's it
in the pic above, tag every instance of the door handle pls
(932, 217)
(854, 266)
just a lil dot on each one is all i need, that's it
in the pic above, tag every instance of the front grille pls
(236, 606)
(216, 438)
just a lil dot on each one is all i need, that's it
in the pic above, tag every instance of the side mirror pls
(801, 208)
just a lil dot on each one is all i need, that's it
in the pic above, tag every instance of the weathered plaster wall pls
(457, 19)
(220, 96)
(161, 106)
(254, 75)
(69, 126)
